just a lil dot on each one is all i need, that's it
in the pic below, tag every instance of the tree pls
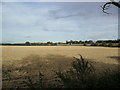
(107, 5)
(27, 43)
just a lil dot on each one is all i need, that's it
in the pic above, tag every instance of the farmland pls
(29, 60)
(99, 54)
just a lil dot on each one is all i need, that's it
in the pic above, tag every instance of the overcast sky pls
(50, 21)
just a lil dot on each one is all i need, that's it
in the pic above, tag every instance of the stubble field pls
(98, 54)
(21, 61)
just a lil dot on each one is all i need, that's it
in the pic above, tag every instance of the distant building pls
(88, 44)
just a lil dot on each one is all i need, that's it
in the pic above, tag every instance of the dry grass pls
(99, 54)
(22, 61)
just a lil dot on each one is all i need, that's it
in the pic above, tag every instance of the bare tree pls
(107, 5)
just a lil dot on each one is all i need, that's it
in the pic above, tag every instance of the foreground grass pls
(81, 74)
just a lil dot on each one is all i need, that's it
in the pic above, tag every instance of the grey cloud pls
(50, 19)
(27, 36)
(83, 10)
(55, 11)
(47, 29)
(67, 16)
(103, 35)
(56, 14)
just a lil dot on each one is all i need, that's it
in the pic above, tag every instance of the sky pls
(58, 0)
(57, 21)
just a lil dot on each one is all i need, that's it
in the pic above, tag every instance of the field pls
(21, 61)
(99, 54)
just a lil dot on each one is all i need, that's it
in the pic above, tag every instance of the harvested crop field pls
(98, 54)
(21, 61)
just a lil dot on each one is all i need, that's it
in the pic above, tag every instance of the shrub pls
(79, 76)
(83, 75)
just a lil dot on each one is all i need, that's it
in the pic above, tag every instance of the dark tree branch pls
(105, 6)
(116, 4)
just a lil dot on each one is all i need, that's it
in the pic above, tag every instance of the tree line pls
(110, 43)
